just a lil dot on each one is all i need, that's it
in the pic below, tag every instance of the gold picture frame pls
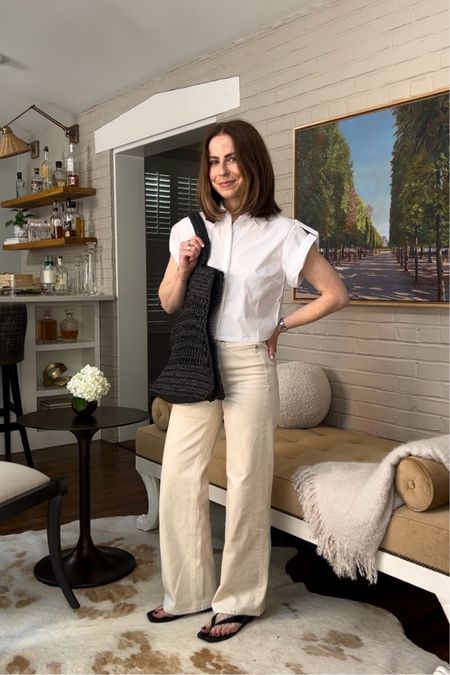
(374, 184)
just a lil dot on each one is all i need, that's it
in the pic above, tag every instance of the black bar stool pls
(13, 325)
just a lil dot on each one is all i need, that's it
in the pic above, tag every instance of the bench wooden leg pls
(150, 520)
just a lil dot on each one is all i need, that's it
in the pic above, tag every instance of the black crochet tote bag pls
(192, 372)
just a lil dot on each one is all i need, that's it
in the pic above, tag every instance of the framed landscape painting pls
(375, 185)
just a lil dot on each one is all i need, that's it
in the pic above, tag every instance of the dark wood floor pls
(117, 489)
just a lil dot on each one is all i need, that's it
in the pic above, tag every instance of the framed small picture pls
(375, 186)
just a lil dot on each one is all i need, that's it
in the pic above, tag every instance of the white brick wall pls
(387, 365)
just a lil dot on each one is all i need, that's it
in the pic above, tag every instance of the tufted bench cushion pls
(421, 537)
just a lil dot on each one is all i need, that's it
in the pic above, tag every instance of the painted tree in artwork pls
(325, 192)
(351, 215)
(419, 197)
(314, 190)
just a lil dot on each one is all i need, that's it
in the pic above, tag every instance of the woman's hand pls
(272, 343)
(188, 258)
(172, 290)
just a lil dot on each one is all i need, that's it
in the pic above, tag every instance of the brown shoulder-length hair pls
(256, 168)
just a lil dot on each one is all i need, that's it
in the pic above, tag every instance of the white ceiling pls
(66, 57)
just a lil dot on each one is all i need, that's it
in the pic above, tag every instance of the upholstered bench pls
(416, 545)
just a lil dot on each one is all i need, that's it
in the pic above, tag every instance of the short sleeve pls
(181, 231)
(296, 248)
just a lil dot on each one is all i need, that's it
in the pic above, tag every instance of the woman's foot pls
(159, 615)
(223, 627)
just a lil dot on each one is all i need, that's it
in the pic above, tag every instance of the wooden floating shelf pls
(48, 243)
(58, 194)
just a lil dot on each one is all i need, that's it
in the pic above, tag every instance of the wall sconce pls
(11, 145)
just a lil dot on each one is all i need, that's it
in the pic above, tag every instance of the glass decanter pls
(69, 327)
(47, 327)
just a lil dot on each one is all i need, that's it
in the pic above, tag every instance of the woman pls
(258, 251)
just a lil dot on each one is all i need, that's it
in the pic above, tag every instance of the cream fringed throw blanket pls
(348, 505)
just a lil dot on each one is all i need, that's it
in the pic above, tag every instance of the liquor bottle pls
(69, 219)
(59, 175)
(69, 327)
(79, 222)
(20, 185)
(36, 182)
(47, 327)
(56, 223)
(46, 172)
(72, 177)
(62, 277)
(48, 276)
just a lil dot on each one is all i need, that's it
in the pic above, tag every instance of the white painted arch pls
(167, 111)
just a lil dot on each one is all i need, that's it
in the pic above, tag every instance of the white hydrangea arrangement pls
(89, 384)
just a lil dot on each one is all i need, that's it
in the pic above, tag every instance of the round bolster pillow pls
(161, 413)
(423, 484)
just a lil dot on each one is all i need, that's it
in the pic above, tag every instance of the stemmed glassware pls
(84, 282)
(89, 280)
(77, 288)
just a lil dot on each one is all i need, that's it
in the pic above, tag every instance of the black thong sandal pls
(241, 619)
(172, 617)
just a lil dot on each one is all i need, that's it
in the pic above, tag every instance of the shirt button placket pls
(226, 266)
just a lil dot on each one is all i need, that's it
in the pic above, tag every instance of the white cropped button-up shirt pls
(258, 256)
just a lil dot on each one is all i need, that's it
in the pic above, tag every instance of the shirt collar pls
(262, 223)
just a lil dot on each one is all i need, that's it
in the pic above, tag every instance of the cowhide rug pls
(300, 632)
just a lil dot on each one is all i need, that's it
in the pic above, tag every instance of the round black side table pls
(87, 564)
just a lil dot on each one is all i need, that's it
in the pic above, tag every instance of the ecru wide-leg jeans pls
(250, 413)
